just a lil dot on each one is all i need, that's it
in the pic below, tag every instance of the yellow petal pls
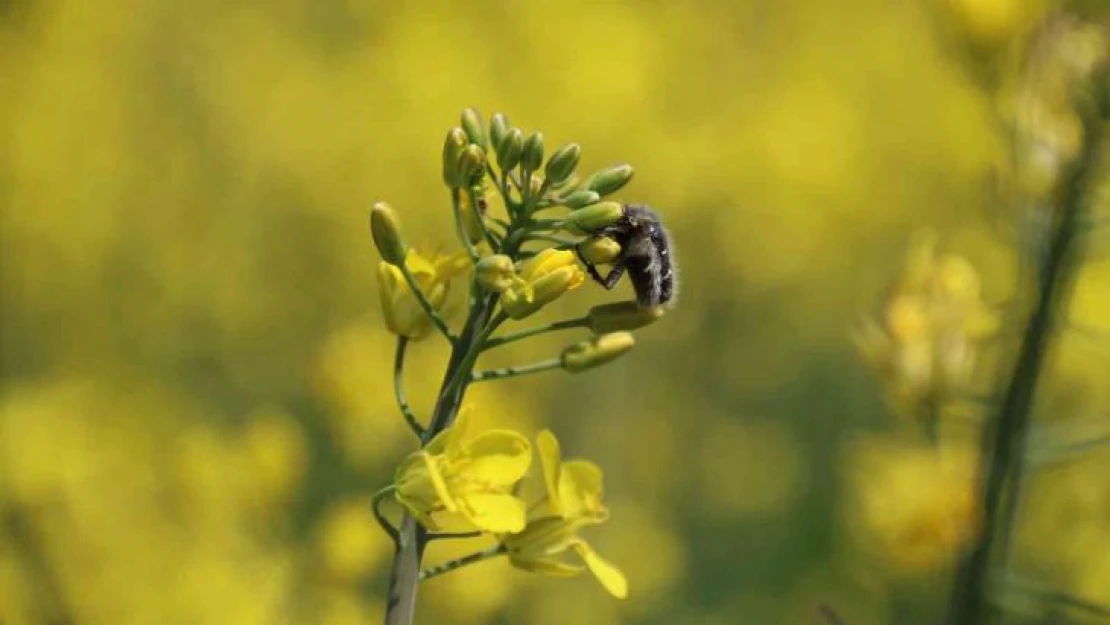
(498, 457)
(388, 277)
(548, 446)
(455, 435)
(419, 266)
(580, 487)
(499, 514)
(606, 572)
(447, 267)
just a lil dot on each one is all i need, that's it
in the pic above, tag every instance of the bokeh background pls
(196, 383)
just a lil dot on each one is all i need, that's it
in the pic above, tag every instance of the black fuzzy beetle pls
(646, 254)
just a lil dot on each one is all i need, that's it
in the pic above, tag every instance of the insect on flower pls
(646, 254)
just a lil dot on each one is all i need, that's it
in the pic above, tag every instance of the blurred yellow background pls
(196, 383)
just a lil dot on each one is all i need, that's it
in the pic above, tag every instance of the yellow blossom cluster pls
(461, 482)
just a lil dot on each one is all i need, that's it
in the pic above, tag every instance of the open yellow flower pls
(432, 273)
(572, 500)
(542, 279)
(459, 483)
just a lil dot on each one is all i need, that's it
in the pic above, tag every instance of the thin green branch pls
(567, 324)
(512, 372)
(379, 499)
(567, 243)
(452, 565)
(425, 305)
(1004, 439)
(399, 387)
(451, 535)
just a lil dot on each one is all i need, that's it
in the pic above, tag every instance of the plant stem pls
(496, 341)
(512, 372)
(493, 244)
(399, 387)
(379, 498)
(473, 558)
(413, 537)
(1004, 437)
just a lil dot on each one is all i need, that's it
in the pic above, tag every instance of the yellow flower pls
(915, 504)
(432, 273)
(925, 336)
(543, 278)
(460, 483)
(572, 501)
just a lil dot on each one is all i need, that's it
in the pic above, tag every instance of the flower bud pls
(581, 198)
(599, 250)
(471, 165)
(621, 316)
(385, 229)
(563, 162)
(498, 128)
(541, 292)
(593, 218)
(532, 157)
(609, 180)
(596, 351)
(471, 215)
(452, 149)
(495, 273)
(472, 123)
(510, 149)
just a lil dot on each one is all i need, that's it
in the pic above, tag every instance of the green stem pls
(552, 239)
(399, 387)
(1004, 439)
(376, 506)
(567, 324)
(425, 305)
(449, 535)
(452, 565)
(512, 372)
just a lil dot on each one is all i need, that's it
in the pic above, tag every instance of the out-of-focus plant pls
(924, 340)
(463, 484)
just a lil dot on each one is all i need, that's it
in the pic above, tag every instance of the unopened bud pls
(520, 303)
(599, 250)
(618, 316)
(472, 215)
(593, 218)
(510, 149)
(563, 162)
(385, 229)
(498, 128)
(533, 152)
(453, 147)
(609, 180)
(596, 351)
(581, 198)
(495, 273)
(472, 123)
(471, 165)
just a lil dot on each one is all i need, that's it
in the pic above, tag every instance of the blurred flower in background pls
(192, 357)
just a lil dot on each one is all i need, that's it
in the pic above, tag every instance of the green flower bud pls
(471, 165)
(495, 273)
(593, 218)
(609, 180)
(472, 123)
(498, 128)
(471, 215)
(510, 149)
(452, 148)
(385, 229)
(621, 316)
(563, 162)
(599, 250)
(596, 351)
(533, 152)
(581, 198)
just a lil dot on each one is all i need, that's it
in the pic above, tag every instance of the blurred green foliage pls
(195, 377)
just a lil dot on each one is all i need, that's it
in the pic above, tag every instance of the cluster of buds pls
(553, 232)
(1045, 107)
